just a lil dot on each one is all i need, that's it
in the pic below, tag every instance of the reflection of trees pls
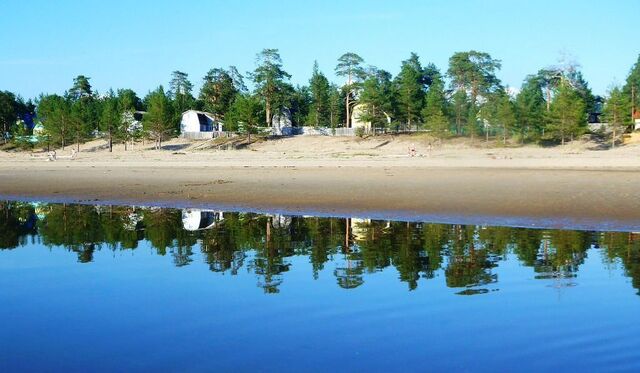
(17, 221)
(470, 261)
(264, 244)
(77, 227)
(624, 247)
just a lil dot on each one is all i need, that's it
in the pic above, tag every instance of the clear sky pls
(137, 44)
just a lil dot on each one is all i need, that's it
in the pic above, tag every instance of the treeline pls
(265, 245)
(468, 99)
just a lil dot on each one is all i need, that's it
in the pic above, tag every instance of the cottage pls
(196, 124)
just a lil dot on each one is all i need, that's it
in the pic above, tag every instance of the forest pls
(553, 105)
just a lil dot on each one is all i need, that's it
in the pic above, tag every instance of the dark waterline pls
(132, 288)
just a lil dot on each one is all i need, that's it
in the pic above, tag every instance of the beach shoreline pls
(557, 192)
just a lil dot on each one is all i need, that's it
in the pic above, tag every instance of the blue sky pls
(127, 44)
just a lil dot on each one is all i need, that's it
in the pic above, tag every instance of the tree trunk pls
(110, 141)
(504, 135)
(548, 98)
(348, 116)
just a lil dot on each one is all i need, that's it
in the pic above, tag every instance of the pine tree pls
(319, 113)
(615, 112)
(110, 119)
(530, 108)
(631, 90)
(567, 118)
(270, 81)
(434, 112)
(350, 66)
(505, 115)
(158, 122)
(410, 85)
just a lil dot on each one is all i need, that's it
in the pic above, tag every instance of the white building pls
(199, 125)
(197, 220)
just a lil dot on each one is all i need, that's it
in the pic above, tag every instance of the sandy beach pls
(576, 186)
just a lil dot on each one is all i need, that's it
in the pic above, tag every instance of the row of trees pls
(466, 100)
(467, 255)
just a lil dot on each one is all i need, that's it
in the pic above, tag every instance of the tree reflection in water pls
(264, 245)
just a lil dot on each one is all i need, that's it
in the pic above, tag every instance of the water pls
(129, 288)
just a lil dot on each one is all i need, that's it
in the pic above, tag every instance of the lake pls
(115, 288)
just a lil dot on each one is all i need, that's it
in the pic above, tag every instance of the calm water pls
(129, 288)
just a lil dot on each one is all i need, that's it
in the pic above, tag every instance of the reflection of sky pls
(134, 308)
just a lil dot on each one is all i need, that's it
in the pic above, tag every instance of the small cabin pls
(196, 124)
(198, 220)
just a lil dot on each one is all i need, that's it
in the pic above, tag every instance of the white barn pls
(196, 124)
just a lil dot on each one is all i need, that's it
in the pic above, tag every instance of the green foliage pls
(110, 119)
(320, 90)
(350, 66)
(530, 108)
(567, 118)
(128, 100)
(631, 88)
(359, 131)
(378, 99)
(180, 93)
(270, 81)
(81, 88)
(410, 84)
(8, 112)
(219, 89)
(244, 114)
(435, 108)
(615, 112)
(505, 116)
(336, 106)
(474, 72)
(158, 123)
(299, 104)
(55, 114)
(460, 109)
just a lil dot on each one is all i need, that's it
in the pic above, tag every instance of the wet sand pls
(552, 197)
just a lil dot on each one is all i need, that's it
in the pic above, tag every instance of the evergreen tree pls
(180, 89)
(110, 118)
(336, 106)
(460, 106)
(505, 115)
(435, 109)
(530, 108)
(244, 114)
(159, 120)
(270, 81)
(350, 66)
(55, 114)
(377, 98)
(299, 104)
(219, 89)
(84, 108)
(8, 113)
(615, 112)
(474, 72)
(567, 117)
(410, 84)
(319, 112)
(631, 90)
(128, 104)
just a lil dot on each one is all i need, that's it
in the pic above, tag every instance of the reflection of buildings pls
(197, 220)
(359, 228)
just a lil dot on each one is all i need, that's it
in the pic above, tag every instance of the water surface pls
(123, 287)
